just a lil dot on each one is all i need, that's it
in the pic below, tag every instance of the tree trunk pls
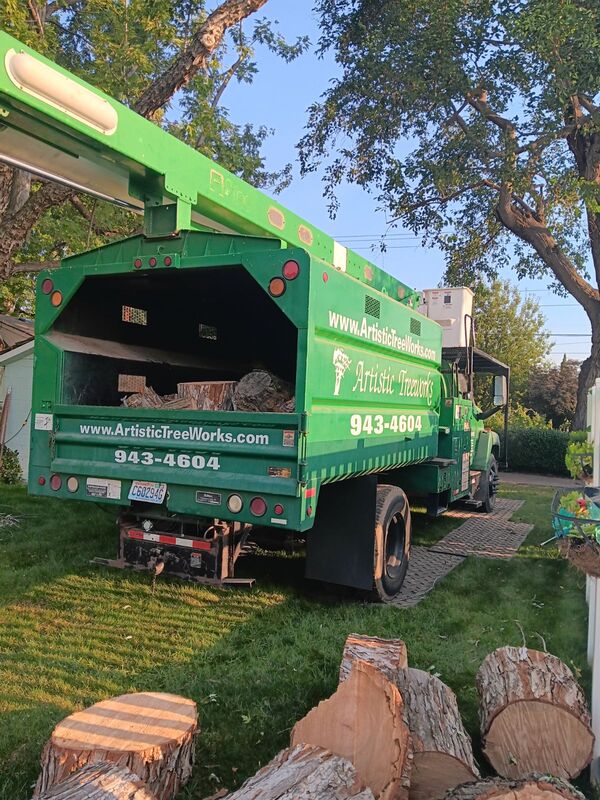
(363, 722)
(388, 656)
(208, 395)
(304, 773)
(442, 751)
(150, 733)
(589, 371)
(533, 788)
(534, 715)
(100, 781)
(260, 390)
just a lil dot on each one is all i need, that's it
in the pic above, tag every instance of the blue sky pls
(279, 98)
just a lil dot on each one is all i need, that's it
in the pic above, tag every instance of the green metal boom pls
(57, 126)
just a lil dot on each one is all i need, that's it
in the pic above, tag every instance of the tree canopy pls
(512, 329)
(170, 60)
(477, 126)
(552, 391)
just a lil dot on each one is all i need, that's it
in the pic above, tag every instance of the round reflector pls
(168, 261)
(137, 263)
(276, 287)
(152, 262)
(278, 509)
(235, 503)
(291, 270)
(47, 286)
(55, 482)
(56, 298)
(258, 507)
(42, 480)
(325, 277)
(72, 484)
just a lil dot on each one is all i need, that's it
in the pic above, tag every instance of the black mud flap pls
(340, 546)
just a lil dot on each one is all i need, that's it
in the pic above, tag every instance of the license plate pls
(147, 491)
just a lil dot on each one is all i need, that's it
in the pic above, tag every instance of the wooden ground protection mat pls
(480, 535)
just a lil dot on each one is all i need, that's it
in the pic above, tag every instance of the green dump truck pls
(362, 399)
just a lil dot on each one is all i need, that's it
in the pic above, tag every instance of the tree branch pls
(34, 266)
(206, 39)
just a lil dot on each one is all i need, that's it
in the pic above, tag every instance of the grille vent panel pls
(372, 306)
(415, 326)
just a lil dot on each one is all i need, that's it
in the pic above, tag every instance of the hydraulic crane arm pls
(56, 126)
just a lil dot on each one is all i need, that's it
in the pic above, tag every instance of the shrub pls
(541, 450)
(578, 460)
(519, 417)
(10, 470)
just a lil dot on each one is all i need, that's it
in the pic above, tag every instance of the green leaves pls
(438, 106)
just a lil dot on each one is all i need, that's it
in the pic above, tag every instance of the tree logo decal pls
(341, 362)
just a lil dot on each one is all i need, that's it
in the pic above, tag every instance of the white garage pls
(16, 377)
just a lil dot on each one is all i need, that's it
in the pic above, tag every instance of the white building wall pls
(18, 377)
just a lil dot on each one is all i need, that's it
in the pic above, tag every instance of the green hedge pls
(540, 450)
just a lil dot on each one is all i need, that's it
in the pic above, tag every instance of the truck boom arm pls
(56, 126)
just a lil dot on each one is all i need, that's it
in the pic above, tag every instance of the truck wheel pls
(490, 486)
(393, 529)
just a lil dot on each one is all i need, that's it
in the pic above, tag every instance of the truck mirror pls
(500, 390)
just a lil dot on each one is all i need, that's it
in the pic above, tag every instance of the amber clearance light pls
(56, 298)
(276, 287)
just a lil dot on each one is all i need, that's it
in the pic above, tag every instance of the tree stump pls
(386, 655)
(534, 715)
(363, 722)
(260, 390)
(150, 733)
(208, 395)
(442, 750)
(101, 781)
(533, 788)
(304, 773)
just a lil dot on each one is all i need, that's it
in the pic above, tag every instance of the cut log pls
(208, 395)
(534, 715)
(260, 390)
(101, 781)
(150, 733)
(442, 750)
(533, 788)
(386, 655)
(363, 722)
(304, 773)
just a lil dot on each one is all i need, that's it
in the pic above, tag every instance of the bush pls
(541, 450)
(10, 470)
(518, 417)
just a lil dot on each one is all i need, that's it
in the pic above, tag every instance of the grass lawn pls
(254, 661)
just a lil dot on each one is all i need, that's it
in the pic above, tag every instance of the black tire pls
(489, 486)
(393, 528)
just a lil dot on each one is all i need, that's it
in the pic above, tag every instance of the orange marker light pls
(276, 287)
(56, 298)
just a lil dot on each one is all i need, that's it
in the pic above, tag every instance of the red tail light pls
(137, 263)
(168, 261)
(42, 480)
(152, 262)
(279, 509)
(55, 482)
(291, 270)
(47, 286)
(258, 507)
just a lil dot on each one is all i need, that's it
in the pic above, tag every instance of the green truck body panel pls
(367, 387)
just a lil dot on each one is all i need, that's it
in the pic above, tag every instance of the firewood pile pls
(388, 732)
(259, 390)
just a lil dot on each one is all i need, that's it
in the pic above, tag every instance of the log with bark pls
(534, 715)
(532, 788)
(208, 395)
(260, 390)
(150, 733)
(100, 781)
(304, 772)
(442, 755)
(386, 655)
(442, 750)
(363, 722)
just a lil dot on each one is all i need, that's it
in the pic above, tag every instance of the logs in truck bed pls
(259, 390)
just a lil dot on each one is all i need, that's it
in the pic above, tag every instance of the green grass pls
(254, 661)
